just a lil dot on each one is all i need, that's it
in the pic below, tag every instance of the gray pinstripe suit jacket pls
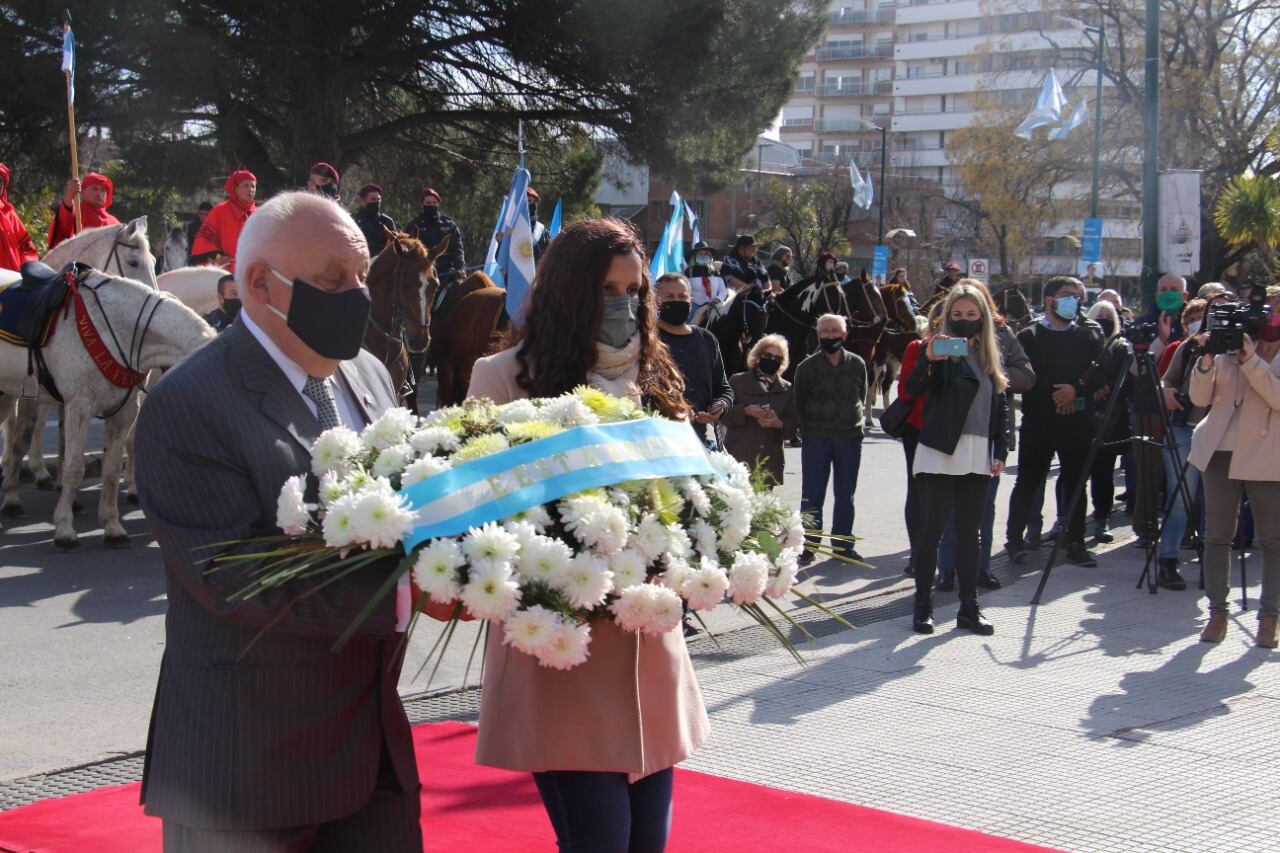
(281, 731)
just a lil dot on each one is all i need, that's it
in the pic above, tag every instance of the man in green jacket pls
(829, 387)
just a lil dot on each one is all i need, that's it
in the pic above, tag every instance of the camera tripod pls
(1146, 375)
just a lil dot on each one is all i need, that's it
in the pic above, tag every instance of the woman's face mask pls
(619, 322)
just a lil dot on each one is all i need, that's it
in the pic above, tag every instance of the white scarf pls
(617, 369)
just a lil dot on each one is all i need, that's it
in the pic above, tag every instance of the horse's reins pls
(136, 342)
(399, 321)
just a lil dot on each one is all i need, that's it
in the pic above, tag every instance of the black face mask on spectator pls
(674, 313)
(965, 328)
(769, 365)
(1108, 326)
(373, 208)
(832, 345)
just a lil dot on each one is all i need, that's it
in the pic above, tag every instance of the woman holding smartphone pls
(962, 444)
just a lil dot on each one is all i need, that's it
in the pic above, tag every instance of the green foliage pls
(809, 215)
(1248, 211)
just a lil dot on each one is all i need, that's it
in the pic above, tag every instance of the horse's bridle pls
(137, 341)
(400, 322)
(114, 255)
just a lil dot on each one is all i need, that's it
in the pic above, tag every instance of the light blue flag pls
(556, 218)
(871, 192)
(692, 219)
(1048, 107)
(513, 260)
(859, 187)
(669, 256)
(1079, 116)
(495, 240)
(69, 63)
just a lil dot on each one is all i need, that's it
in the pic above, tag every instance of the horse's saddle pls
(29, 308)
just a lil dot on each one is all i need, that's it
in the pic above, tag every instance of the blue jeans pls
(603, 813)
(1176, 525)
(947, 548)
(837, 459)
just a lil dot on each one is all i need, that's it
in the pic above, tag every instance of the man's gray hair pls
(270, 220)
(833, 318)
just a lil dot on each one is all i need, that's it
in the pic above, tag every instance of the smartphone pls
(1077, 405)
(951, 346)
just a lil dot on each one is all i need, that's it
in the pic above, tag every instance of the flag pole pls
(71, 127)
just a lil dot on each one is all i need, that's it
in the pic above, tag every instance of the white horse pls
(197, 287)
(174, 252)
(142, 330)
(121, 250)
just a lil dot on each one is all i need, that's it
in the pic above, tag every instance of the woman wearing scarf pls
(16, 247)
(96, 194)
(217, 238)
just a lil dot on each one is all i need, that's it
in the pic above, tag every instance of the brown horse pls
(900, 331)
(464, 327)
(398, 281)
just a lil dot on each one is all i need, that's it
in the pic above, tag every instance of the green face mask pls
(1169, 301)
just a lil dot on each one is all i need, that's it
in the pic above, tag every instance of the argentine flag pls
(669, 256)
(1048, 107)
(513, 259)
(556, 219)
(1079, 116)
(69, 63)
(860, 197)
(692, 219)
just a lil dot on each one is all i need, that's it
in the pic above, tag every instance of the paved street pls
(1094, 722)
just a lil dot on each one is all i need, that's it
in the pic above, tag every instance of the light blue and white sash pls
(500, 485)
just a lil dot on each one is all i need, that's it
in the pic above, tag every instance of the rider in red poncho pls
(96, 193)
(220, 232)
(16, 247)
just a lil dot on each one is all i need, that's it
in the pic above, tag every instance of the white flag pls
(1048, 107)
(1078, 116)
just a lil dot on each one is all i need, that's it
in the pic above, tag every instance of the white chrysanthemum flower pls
(781, 583)
(335, 450)
(394, 427)
(567, 647)
(573, 509)
(568, 411)
(705, 587)
(696, 496)
(705, 539)
(604, 529)
(628, 568)
(292, 515)
(678, 544)
(748, 577)
(436, 569)
(538, 517)
(666, 610)
(795, 532)
(489, 546)
(529, 630)
(381, 518)
(493, 596)
(339, 527)
(421, 469)
(544, 559)
(517, 412)
(524, 531)
(434, 439)
(735, 526)
(587, 581)
(731, 469)
(676, 573)
(392, 461)
(631, 608)
(332, 487)
(650, 538)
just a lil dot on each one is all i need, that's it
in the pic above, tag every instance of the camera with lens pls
(1229, 323)
(1141, 335)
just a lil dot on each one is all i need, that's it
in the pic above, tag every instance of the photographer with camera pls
(1057, 412)
(1237, 448)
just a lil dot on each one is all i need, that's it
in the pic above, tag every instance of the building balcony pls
(856, 17)
(927, 13)
(864, 159)
(906, 122)
(847, 125)
(831, 53)
(951, 46)
(794, 124)
(855, 89)
(920, 157)
(803, 91)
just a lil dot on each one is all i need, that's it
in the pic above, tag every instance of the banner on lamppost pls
(880, 263)
(1180, 221)
(1091, 245)
(980, 269)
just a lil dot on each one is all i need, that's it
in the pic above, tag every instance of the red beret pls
(326, 170)
(532, 195)
(369, 188)
(426, 191)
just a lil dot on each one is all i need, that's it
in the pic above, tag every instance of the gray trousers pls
(1222, 505)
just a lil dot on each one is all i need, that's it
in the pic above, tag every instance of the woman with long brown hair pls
(600, 739)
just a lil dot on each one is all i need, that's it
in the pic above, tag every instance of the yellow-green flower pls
(606, 406)
(481, 445)
(532, 430)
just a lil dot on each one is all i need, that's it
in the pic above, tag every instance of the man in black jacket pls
(696, 353)
(1057, 413)
(372, 221)
(741, 269)
(432, 228)
(538, 232)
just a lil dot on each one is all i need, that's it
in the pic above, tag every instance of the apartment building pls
(919, 66)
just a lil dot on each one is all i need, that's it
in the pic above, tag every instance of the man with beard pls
(96, 194)
(372, 221)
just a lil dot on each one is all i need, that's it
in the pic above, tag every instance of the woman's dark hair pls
(897, 276)
(556, 342)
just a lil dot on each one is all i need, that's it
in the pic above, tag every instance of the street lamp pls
(1101, 34)
(884, 155)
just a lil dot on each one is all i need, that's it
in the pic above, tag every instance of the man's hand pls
(1171, 400)
(771, 421)
(997, 468)
(1246, 349)
(73, 190)
(1166, 327)
(1064, 397)
(1102, 393)
(754, 411)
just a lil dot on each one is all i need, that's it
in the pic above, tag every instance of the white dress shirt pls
(348, 411)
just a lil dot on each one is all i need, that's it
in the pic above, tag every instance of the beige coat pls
(1256, 386)
(745, 439)
(634, 707)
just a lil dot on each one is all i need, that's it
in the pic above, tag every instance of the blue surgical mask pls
(1067, 307)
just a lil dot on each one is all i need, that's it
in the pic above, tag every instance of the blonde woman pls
(962, 444)
(763, 414)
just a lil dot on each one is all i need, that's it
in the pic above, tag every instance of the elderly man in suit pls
(262, 737)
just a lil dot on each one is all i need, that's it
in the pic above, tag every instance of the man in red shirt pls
(16, 247)
(217, 238)
(96, 193)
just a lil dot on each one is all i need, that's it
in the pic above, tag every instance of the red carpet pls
(478, 809)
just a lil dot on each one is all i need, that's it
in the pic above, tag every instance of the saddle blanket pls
(16, 305)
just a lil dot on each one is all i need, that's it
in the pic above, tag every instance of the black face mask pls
(373, 208)
(328, 190)
(1108, 326)
(533, 210)
(231, 307)
(430, 212)
(769, 365)
(965, 328)
(331, 324)
(831, 345)
(675, 312)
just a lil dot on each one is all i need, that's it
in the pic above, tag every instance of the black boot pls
(1100, 531)
(970, 618)
(1170, 577)
(922, 619)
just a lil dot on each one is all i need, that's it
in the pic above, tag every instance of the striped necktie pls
(319, 392)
